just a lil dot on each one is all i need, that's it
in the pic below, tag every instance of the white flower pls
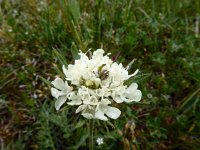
(75, 99)
(60, 92)
(99, 141)
(132, 94)
(97, 83)
(87, 111)
(103, 108)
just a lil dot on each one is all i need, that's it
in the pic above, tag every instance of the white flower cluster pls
(93, 84)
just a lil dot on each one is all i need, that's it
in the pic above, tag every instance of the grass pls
(163, 37)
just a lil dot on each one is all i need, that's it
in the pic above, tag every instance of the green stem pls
(91, 125)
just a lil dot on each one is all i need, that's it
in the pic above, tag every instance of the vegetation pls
(163, 37)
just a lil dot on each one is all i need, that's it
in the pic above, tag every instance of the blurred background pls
(163, 36)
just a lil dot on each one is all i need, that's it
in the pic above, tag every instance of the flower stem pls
(91, 125)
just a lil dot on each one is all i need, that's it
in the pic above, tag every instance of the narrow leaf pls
(60, 57)
(137, 78)
(189, 102)
(45, 81)
(74, 51)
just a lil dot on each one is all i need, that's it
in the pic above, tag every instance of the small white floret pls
(99, 141)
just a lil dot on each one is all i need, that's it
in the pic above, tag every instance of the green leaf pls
(47, 82)
(137, 78)
(74, 51)
(59, 72)
(60, 57)
(83, 137)
(189, 102)
(80, 124)
(74, 9)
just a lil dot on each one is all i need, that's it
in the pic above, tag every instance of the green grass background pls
(162, 35)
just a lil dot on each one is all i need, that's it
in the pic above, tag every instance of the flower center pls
(89, 83)
(102, 74)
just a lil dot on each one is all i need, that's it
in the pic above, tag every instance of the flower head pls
(99, 141)
(93, 85)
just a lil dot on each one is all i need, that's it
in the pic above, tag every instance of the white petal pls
(137, 96)
(81, 108)
(130, 64)
(117, 99)
(93, 100)
(68, 88)
(124, 99)
(98, 53)
(64, 70)
(132, 94)
(100, 115)
(86, 97)
(60, 101)
(136, 71)
(87, 115)
(105, 102)
(132, 87)
(83, 57)
(55, 93)
(74, 103)
(75, 99)
(112, 112)
(59, 84)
